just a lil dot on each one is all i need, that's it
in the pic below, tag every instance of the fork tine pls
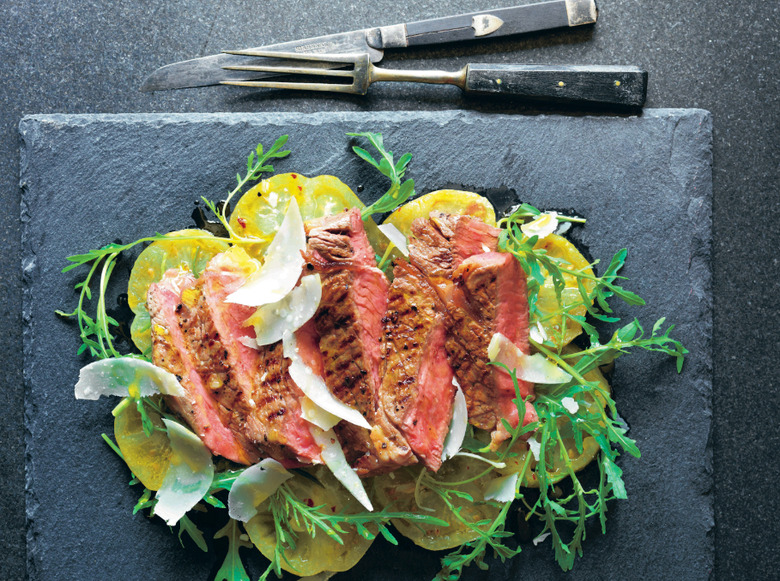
(290, 70)
(332, 88)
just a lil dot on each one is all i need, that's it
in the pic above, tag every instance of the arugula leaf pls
(187, 526)
(399, 191)
(232, 568)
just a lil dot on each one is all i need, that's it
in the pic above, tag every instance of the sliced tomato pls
(260, 211)
(314, 551)
(578, 459)
(148, 457)
(549, 308)
(401, 491)
(187, 249)
(455, 202)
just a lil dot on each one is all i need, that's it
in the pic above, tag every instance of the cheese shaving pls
(282, 265)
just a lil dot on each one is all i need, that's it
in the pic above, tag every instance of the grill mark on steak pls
(172, 324)
(416, 392)
(349, 325)
(263, 398)
(484, 291)
(439, 244)
(494, 286)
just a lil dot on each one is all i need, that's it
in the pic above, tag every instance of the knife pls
(205, 71)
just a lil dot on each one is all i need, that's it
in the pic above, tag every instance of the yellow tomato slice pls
(313, 554)
(549, 308)
(147, 457)
(260, 211)
(400, 490)
(188, 249)
(448, 201)
(557, 470)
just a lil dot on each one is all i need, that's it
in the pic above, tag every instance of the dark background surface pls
(89, 57)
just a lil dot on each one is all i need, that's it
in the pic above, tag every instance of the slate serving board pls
(643, 183)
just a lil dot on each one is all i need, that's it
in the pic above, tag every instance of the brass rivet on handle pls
(561, 84)
(617, 83)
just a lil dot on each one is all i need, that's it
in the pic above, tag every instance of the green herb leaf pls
(399, 191)
(232, 568)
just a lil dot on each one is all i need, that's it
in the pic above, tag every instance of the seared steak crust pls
(349, 325)
(258, 389)
(416, 392)
(182, 343)
(485, 293)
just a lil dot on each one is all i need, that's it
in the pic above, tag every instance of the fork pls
(616, 85)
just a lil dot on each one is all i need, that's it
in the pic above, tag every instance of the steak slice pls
(416, 392)
(494, 288)
(349, 325)
(485, 291)
(171, 305)
(440, 243)
(264, 401)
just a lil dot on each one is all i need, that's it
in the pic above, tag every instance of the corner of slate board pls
(643, 183)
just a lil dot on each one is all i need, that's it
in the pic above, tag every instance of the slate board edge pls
(30, 125)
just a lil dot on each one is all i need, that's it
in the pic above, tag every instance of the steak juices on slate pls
(391, 351)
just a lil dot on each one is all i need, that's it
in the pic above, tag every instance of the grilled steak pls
(484, 292)
(416, 391)
(256, 399)
(439, 244)
(349, 325)
(494, 289)
(171, 303)
(263, 398)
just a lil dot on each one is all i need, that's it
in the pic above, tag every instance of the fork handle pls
(614, 85)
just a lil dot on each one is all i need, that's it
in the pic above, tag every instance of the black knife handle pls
(514, 20)
(596, 84)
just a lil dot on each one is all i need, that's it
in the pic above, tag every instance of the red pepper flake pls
(241, 222)
(333, 509)
(309, 503)
(300, 188)
(294, 175)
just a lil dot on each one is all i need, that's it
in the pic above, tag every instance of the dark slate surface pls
(643, 183)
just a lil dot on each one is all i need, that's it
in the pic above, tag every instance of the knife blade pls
(208, 70)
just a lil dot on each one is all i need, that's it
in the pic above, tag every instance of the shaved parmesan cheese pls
(282, 266)
(542, 226)
(313, 386)
(540, 538)
(253, 486)
(537, 332)
(458, 424)
(533, 368)
(502, 489)
(570, 404)
(188, 477)
(395, 236)
(125, 377)
(314, 414)
(563, 227)
(535, 447)
(289, 314)
(249, 342)
(334, 459)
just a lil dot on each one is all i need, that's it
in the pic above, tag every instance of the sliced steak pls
(484, 291)
(349, 325)
(494, 288)
(263, 400)
(439, 244)
(416, 392)
(171, 303)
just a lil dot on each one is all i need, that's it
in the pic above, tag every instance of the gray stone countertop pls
(82, 56)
